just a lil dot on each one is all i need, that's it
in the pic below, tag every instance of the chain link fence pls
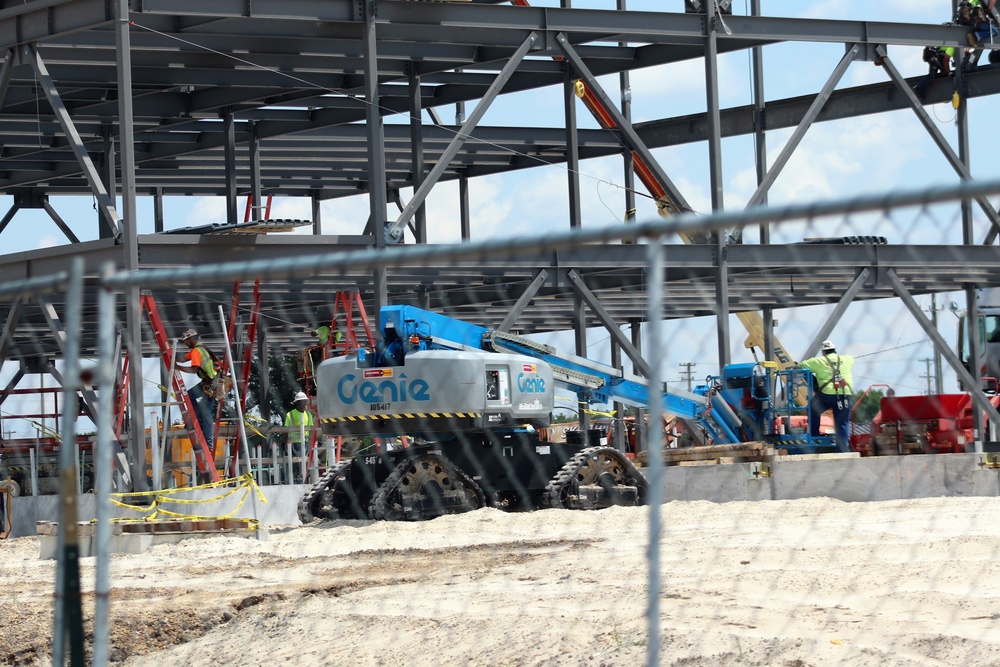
(452, 454)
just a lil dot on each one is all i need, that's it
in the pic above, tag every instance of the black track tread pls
(553, 496)
(380, 509)
(308, 513)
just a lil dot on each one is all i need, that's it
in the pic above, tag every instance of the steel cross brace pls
(580, 287)
(107, 208)
(838, 312)
(803, 126)
(630, 135)
(395, 230)
(956, 162)
(975, 391)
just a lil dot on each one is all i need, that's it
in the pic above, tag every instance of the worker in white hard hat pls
(832, 391)
(299, 419)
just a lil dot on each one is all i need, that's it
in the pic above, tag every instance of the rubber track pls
(379, 508)
(562, 479)
(327, 482)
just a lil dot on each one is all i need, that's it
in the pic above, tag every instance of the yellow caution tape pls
(155, 510)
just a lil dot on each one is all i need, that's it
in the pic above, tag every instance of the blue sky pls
(835, 160)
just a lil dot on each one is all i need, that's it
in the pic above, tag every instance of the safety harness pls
(840, 386)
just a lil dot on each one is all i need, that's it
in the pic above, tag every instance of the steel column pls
(229, 150)
(417, 151)
(130, 242)
(715, 178)
(464, 214)
(256, 189)
(377, 198)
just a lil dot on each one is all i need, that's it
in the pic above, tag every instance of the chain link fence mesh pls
(517, 499)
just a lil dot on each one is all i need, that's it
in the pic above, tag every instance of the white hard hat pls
(301, 396)
(828, 345)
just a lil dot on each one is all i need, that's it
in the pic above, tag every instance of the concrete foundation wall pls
(847, 479)
(281, 508)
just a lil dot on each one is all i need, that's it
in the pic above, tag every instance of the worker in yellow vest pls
(832, 391)
(299, 419)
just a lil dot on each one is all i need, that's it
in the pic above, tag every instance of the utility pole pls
(938, 378)
(927, 362)
(687, 374)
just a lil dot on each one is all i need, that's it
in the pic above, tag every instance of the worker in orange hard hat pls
(833, 391)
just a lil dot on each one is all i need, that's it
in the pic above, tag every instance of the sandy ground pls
(789, 583)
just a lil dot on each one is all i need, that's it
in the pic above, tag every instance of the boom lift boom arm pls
(590, 380)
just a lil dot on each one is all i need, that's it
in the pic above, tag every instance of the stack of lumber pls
(740, 452)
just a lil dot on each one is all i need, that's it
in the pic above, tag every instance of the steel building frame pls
(232, 98)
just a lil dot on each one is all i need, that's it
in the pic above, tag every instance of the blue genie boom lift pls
(471, 399)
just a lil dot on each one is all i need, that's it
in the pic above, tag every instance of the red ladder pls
(121, 400)
(246, 346)
(245, 361)
(203, 454)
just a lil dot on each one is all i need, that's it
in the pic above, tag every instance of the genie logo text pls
(530, 384)
(380, 394)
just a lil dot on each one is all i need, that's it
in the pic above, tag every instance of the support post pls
(417, 151)
(130, 242)
(377, 198)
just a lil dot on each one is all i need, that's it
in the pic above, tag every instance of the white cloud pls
(49, 241)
